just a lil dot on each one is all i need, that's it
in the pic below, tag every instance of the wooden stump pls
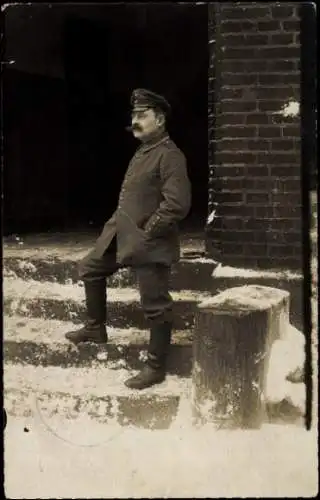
(234, 331)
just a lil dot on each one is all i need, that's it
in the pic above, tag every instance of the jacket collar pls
(154, 142)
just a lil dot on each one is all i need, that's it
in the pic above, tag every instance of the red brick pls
(258, 145)
(229, 171)
(239, 52)
(228, 198)
(239, 27)
(282, 39)
(291, 26)
(272, 131)
(292, 237)
(275, 92)
(249, 184)
(255, 171)
(273, 66)
(287, 185)
(287, 211)
(243, 13)
(238, 236)
(257, 119)
(231, 93)
(248, 67)
(280, 250)
(232, 185)
(269, 26)
(282, 12)
(278, 158)
(280, 119)
(253, 224)
(285, 199)
(240, 79)
(257, 199)
(234, 145)
(270, 105)
(236, 210)
(283, 145)
(286, 171)
(233, 119)
(280, 78)
(244, 145)
(214, 233)
(238, 131)
(277, 52)
(233, 223)
(218, 222)
(245, 40)
(261, 236)
(255, 249)
(291, 130)
(279, 224)
(263, 212)
(287, 238)
(232, 248)
(263, 183)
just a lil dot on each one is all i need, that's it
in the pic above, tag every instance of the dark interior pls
(67, 103)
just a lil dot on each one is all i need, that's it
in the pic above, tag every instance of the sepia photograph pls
(159, 241)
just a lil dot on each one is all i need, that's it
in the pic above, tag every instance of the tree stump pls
(234, 331)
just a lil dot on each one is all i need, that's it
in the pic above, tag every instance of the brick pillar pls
(254, 135)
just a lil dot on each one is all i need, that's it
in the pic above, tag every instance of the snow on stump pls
(234, 332)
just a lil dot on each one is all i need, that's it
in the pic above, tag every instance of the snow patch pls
(233, 272)
(34, 290)
(98, 380)
(25, 265)
(247, 296)
(286, 356)
(200, 260)
(211, 216)
(292, 108)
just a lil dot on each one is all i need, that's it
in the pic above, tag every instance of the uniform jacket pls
(155, 195)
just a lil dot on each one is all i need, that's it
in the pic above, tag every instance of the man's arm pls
(176, 191)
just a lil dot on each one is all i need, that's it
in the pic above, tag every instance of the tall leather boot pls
(155, 370)
(94, 329)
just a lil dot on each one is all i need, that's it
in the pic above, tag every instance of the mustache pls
(132, 128)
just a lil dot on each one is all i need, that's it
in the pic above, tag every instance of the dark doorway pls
(104, 53)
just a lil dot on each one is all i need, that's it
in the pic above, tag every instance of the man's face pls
(145, 122)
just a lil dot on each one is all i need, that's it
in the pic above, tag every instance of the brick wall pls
(254, 144)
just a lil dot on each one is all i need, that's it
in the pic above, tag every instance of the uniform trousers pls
(153, 281)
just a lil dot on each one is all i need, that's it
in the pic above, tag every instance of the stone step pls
(42, 343)
(61, 396)
(98, 393)
(66, 302)
(194, 273)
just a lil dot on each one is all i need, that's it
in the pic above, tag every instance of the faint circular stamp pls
(84, 421)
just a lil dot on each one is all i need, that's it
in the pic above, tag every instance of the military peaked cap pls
(142, 98)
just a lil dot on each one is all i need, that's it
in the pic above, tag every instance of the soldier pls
(143, 234)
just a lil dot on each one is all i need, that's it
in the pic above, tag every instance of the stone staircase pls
(43, 299)
(45, 375)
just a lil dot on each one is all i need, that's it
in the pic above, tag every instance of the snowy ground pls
(276, 461)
